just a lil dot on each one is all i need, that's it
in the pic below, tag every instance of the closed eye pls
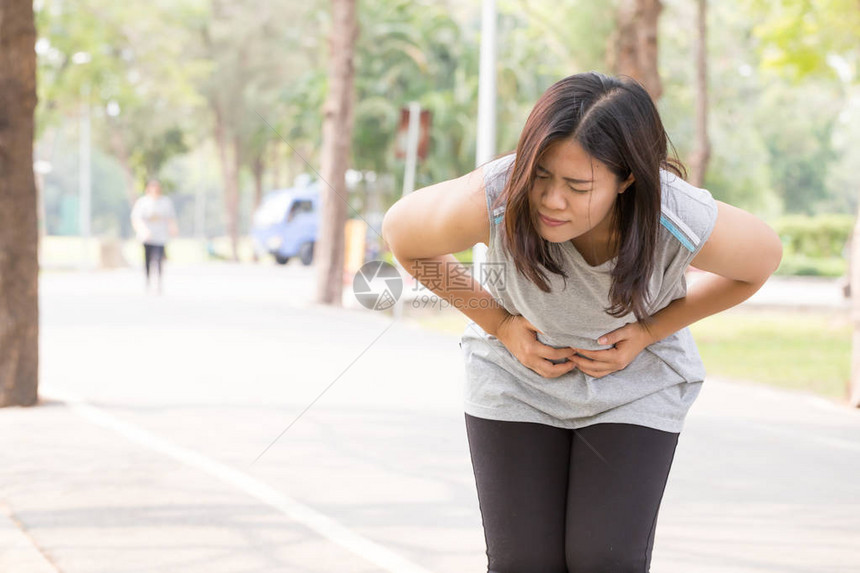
(539, 176)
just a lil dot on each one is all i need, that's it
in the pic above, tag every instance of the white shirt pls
(155, 213)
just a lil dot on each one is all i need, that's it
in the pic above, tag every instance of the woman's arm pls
(424, 228)
(741, 253)
(140, 227)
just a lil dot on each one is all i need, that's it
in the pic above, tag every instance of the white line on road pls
(307, 516)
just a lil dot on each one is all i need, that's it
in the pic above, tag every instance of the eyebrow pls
(568, 179)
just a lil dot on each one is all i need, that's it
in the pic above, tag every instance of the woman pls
(580, 366)
(154, 221)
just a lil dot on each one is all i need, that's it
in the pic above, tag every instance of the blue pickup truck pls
(286, 224)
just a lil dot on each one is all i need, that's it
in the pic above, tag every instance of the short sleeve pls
(496, 174)
(689, 214)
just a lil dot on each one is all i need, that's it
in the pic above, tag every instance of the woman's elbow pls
(771, 256)
(390, 230)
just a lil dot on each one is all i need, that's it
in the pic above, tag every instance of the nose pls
(552, 197)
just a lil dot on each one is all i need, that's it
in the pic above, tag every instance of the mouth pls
(549, 220)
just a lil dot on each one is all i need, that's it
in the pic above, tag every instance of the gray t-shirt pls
(655, 390)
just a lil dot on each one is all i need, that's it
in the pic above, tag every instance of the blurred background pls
(256, 417)
(223, 102)
(225, 97)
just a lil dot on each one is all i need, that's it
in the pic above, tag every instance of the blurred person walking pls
(154, 220)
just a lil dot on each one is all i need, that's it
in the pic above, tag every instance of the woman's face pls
(576, 189)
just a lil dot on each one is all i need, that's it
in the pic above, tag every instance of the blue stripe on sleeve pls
(678, 235)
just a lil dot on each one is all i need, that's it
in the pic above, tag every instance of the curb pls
(18, 552)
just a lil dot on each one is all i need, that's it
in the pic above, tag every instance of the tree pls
(702, 153)
(633, 46)
(254, 64)
(19, 265)
(799, 43)
(140, 89)
(336, 143)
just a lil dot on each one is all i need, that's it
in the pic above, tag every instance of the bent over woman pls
(580, 366)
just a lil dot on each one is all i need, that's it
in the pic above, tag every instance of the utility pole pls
(84, 179)
(412, 136)
(486, 140)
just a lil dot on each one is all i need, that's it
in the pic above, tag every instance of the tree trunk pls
(854, 284)
(257, 168)
(633, 46)
(19, 234)
(228, 153)
(120, 151)
(702, 153)
(234, 202)
(275, 165)
(336, 140)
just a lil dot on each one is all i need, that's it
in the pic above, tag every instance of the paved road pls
(143, 458)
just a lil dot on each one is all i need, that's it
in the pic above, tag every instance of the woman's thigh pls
(521, 474)
(618, 474)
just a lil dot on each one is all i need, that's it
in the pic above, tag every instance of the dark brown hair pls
(616, 122)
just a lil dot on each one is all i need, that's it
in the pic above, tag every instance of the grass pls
(808, 351)
(796, 350)
(464, 257)
(69, 252)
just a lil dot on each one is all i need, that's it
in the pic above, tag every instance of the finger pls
(614, 336)
(590, 366)
(596, 372)
(604, 355)
(548, 369)
(530, 325)
(551, 370)
(552, 353)
(587, 353)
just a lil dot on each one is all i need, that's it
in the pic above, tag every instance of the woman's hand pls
(520, 338)
(629, 341)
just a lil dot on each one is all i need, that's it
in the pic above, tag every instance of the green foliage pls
(428, 52)
(799, 37)
(739, 169)
(126, 62)
(778, 145)
(406, 52)
(802, 265)
(817, 237)
(153, 156)
(782, 142)
(800, 143)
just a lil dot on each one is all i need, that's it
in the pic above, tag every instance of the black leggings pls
(554, 500)
(153, 255)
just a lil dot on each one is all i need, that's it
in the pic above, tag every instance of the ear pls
(627, 183)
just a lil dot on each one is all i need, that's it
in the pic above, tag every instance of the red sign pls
(423, 133)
